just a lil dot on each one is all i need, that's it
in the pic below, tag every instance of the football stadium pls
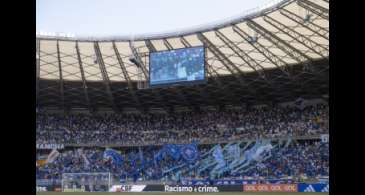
(238, 106)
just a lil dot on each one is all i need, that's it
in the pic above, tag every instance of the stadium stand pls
(262, 123)
(306, 159)
(204, 126)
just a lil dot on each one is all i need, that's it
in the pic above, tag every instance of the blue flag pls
(190, 152)
(141, 159)
(133, 157)
(159, 156)
(218, 156)
(114, 156)
(173, 150)
(234, 152)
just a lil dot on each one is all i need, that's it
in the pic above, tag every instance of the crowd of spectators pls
(304, 160)
(300, 159)
(204, 126)
(308, 159)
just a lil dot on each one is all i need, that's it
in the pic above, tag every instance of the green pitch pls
(179, 193)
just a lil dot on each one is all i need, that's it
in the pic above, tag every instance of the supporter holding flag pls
(52, 156)
(141, 158)
(114, 156)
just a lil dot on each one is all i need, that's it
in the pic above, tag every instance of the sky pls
(127, 17)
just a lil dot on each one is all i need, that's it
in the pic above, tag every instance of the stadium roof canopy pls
(272, 54)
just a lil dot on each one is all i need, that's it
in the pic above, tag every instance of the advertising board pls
(270, 188)
(41, 189)
(127, 188)
(203, 188)
(177, 188)
(317, 187)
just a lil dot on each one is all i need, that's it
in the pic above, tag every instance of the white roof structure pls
(275, 37)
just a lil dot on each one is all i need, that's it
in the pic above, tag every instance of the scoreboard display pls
(177, 66)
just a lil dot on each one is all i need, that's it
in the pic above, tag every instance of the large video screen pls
(177, 66)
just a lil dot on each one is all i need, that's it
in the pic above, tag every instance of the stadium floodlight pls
(86, 182)
(307, 18)
(134, 61)
(252, 39)
(134, 58)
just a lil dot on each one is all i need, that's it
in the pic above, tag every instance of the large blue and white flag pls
(218, 156)
(234, 151)
(248, 154)
(190, 152)
(114, 156)
(173, 150)
(257, 151)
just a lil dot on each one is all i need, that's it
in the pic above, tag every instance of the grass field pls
(181, 193)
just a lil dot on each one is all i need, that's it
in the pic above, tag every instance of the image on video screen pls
(168, 67)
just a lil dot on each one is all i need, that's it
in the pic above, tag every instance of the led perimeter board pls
(179, 66)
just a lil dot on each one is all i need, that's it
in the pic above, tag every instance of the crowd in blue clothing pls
(305, 158)
(160, 128)
(308, 158)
